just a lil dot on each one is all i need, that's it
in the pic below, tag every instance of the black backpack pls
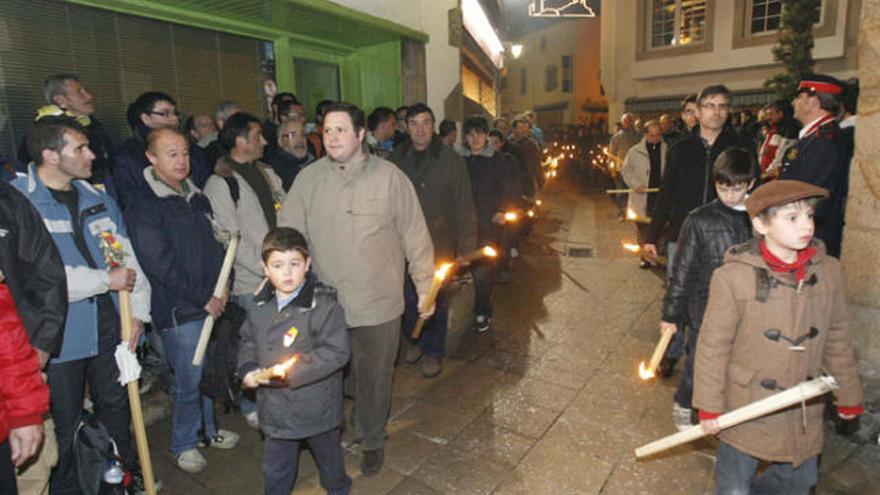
(219, 378)
(92, 448)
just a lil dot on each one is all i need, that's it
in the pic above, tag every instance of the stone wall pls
(861, 247)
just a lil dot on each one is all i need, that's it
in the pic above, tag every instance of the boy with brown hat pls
(776, 317)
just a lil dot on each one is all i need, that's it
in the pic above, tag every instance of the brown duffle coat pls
(755, 316)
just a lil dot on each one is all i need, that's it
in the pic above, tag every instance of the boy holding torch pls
(705, 236)
(294, 344)
(776, 317)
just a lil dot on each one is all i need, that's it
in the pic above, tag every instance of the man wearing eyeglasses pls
(292, 153)
(817, 157)
(687, 184)
(151, 110)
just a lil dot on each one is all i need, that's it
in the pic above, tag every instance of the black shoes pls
(372, 462)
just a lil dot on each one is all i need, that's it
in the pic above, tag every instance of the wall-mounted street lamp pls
(516, 50)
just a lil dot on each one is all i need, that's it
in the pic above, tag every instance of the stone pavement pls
(547, 402)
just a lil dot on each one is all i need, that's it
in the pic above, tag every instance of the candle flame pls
(511, 216)
(631, 247)
(441, 272)
(489, 252)
(539, 202)
(531, 213)
(644, 372)
(280, 370)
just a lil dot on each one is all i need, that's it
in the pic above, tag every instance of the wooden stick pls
(134, 401)
(436, 283)
(627, 191)
(660, 350)
(795, 395)
(219, 289)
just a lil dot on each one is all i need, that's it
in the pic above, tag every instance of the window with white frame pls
(676, 22)
(765, 16)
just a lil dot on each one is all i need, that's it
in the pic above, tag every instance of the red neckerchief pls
(818, 124)
(799, 267)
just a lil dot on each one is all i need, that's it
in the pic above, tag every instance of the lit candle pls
(277, 371)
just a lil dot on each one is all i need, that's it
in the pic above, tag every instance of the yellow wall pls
(577, 37)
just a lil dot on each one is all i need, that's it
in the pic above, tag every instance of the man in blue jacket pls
(171, 232)
(77, 215)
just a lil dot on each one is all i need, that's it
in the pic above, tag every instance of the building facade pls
(369, 52)
(656, 51)
(558, 74)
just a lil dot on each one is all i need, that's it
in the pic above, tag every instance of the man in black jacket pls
(441, 181)
(33, 270)
(687, 183)
(705, 236)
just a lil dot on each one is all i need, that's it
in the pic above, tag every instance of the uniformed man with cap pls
(817, 157)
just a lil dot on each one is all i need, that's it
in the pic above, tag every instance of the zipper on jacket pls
(708, 169)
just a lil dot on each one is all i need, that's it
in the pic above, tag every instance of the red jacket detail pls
(24, 396)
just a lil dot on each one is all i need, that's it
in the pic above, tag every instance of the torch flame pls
(645, 373)
(489, 252)
(631, 214)
(539, 202)
(631, 247)
(441, 272)
(531, 213)
(511, 216)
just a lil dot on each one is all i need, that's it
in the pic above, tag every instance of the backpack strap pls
(234, 192)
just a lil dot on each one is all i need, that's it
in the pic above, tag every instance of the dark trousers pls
(685, 391)
(66, 387)
(433, 338)
(482, 271)
(7, 470)
(281, 462)
(373, 351)
(735, 475)
(677, 344)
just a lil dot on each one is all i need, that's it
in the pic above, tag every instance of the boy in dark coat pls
(776, 317)
(491, 188)
(705, 236)
(296, 317)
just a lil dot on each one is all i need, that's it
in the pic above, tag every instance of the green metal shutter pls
(117, 57)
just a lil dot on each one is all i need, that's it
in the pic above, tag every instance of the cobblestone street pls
(547, 402)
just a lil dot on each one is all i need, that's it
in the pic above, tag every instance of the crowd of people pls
(341, 224)
(751, 215)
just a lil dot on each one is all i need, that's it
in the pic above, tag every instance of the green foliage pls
(795, 46)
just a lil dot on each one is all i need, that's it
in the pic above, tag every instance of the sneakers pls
(191, 461)
(253, 420)
(372, 462)
(413, 354)
(481, 324)
(681, 416)
(224, 440)
(431, 367)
